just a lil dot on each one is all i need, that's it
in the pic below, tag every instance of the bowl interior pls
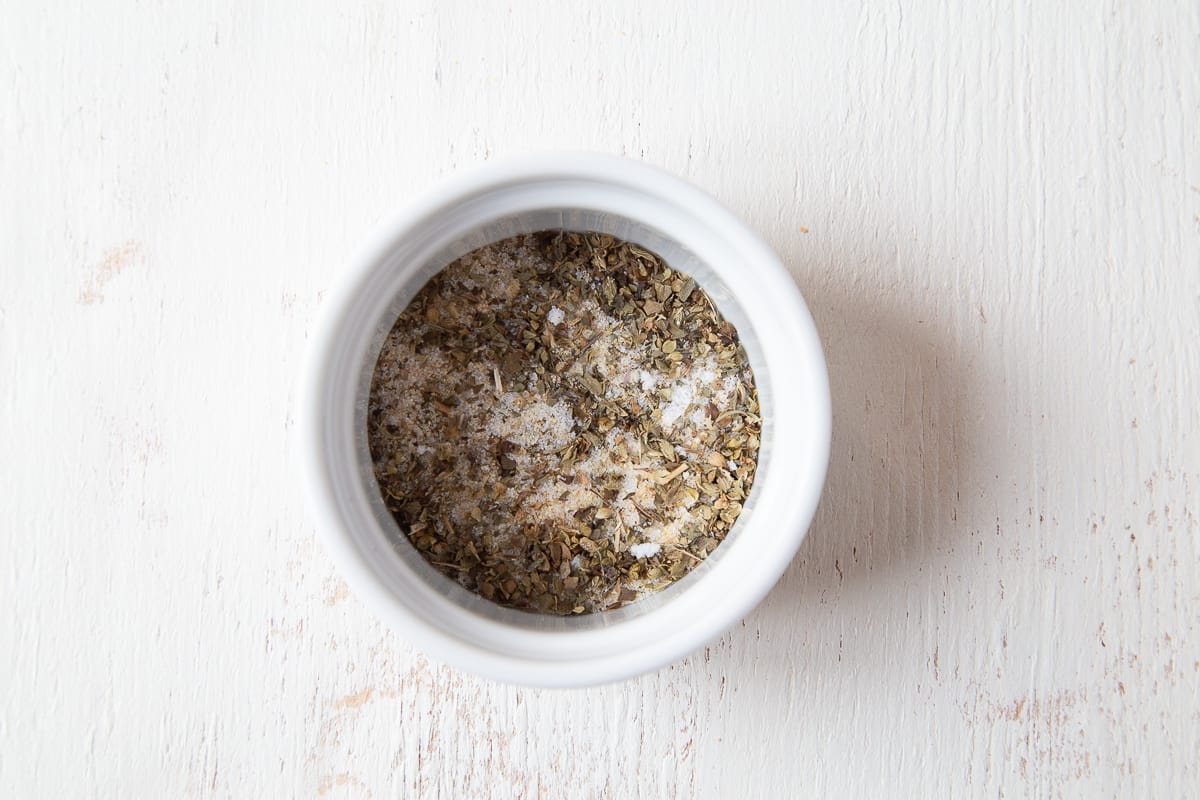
(410, 276)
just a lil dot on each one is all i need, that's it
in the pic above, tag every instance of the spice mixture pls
(562, 423)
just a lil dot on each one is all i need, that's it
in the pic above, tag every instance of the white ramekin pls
(693, 233)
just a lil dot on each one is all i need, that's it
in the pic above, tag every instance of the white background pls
(992, 208)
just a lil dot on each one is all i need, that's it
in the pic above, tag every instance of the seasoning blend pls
(562, 423)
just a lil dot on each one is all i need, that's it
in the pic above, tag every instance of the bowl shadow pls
(905, 420)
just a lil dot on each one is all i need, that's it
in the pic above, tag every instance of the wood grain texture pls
(993, 210)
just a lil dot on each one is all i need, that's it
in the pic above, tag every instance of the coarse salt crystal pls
(681, 398)
(645, 550)
(555, 315)
(532, 422)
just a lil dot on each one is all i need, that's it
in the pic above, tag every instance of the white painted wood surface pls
(994, 212)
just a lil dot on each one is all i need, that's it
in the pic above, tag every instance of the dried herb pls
(562, 423)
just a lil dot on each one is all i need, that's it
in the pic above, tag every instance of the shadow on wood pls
(905, 419)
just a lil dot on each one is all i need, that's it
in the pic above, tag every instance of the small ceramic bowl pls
(694, 234)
